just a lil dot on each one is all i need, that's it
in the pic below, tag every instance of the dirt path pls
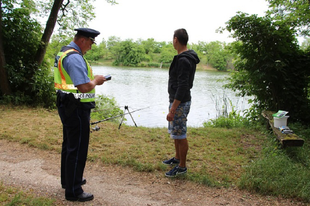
(38, 171)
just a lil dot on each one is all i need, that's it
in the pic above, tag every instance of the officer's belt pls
(79, 95)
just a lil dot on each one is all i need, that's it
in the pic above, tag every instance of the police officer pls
(75, 85)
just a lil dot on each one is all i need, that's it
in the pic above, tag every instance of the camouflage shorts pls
(177, 128)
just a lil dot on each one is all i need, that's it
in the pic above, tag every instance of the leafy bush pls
(106, 108)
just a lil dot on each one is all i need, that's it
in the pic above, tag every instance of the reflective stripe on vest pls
(64, 85)
(81, 95)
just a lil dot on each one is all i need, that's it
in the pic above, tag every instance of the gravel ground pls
(38, 171)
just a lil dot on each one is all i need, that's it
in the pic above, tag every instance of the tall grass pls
(224, 117)
(280, 171)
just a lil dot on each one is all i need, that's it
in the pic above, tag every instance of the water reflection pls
(139, 88)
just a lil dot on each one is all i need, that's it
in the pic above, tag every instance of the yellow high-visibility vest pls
(63, 82)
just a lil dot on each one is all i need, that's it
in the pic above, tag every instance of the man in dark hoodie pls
(181, 77)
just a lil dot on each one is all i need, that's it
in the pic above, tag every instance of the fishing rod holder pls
(97, 128)
(126, 108)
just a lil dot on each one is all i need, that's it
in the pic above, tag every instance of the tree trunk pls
(4, 82)
(50, 25)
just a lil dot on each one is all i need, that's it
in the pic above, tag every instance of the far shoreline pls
(200, 67)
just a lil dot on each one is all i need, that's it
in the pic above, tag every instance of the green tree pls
(148, 45)
(158, 46)
(21, 36)
(167, 53)
(113, 41)
(216, 54)
(296, 14)
(23, 45)
(67, 13)
(128, 53)
(271, 67)
(113, 45)
(200, 50)
(97, 52)
(305, 44)
(4, 81)
(57, 42)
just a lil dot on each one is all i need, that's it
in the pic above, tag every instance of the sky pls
(158, 19)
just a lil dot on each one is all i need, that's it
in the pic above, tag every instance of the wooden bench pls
(286, 140)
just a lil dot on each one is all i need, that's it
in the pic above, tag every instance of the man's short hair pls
(182, 36)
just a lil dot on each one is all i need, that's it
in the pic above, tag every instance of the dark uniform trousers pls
(76, 124)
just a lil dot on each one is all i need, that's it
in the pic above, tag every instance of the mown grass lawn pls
(245, 157)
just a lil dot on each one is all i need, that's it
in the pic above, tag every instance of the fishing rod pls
(121, 115)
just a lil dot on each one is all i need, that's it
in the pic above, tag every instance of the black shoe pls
(176, 171)
(171, 161)
(82, 197)
(82, 183)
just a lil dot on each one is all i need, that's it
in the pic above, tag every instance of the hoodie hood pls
(191, 54)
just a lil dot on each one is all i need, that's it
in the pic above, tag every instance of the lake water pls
(146, 89)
